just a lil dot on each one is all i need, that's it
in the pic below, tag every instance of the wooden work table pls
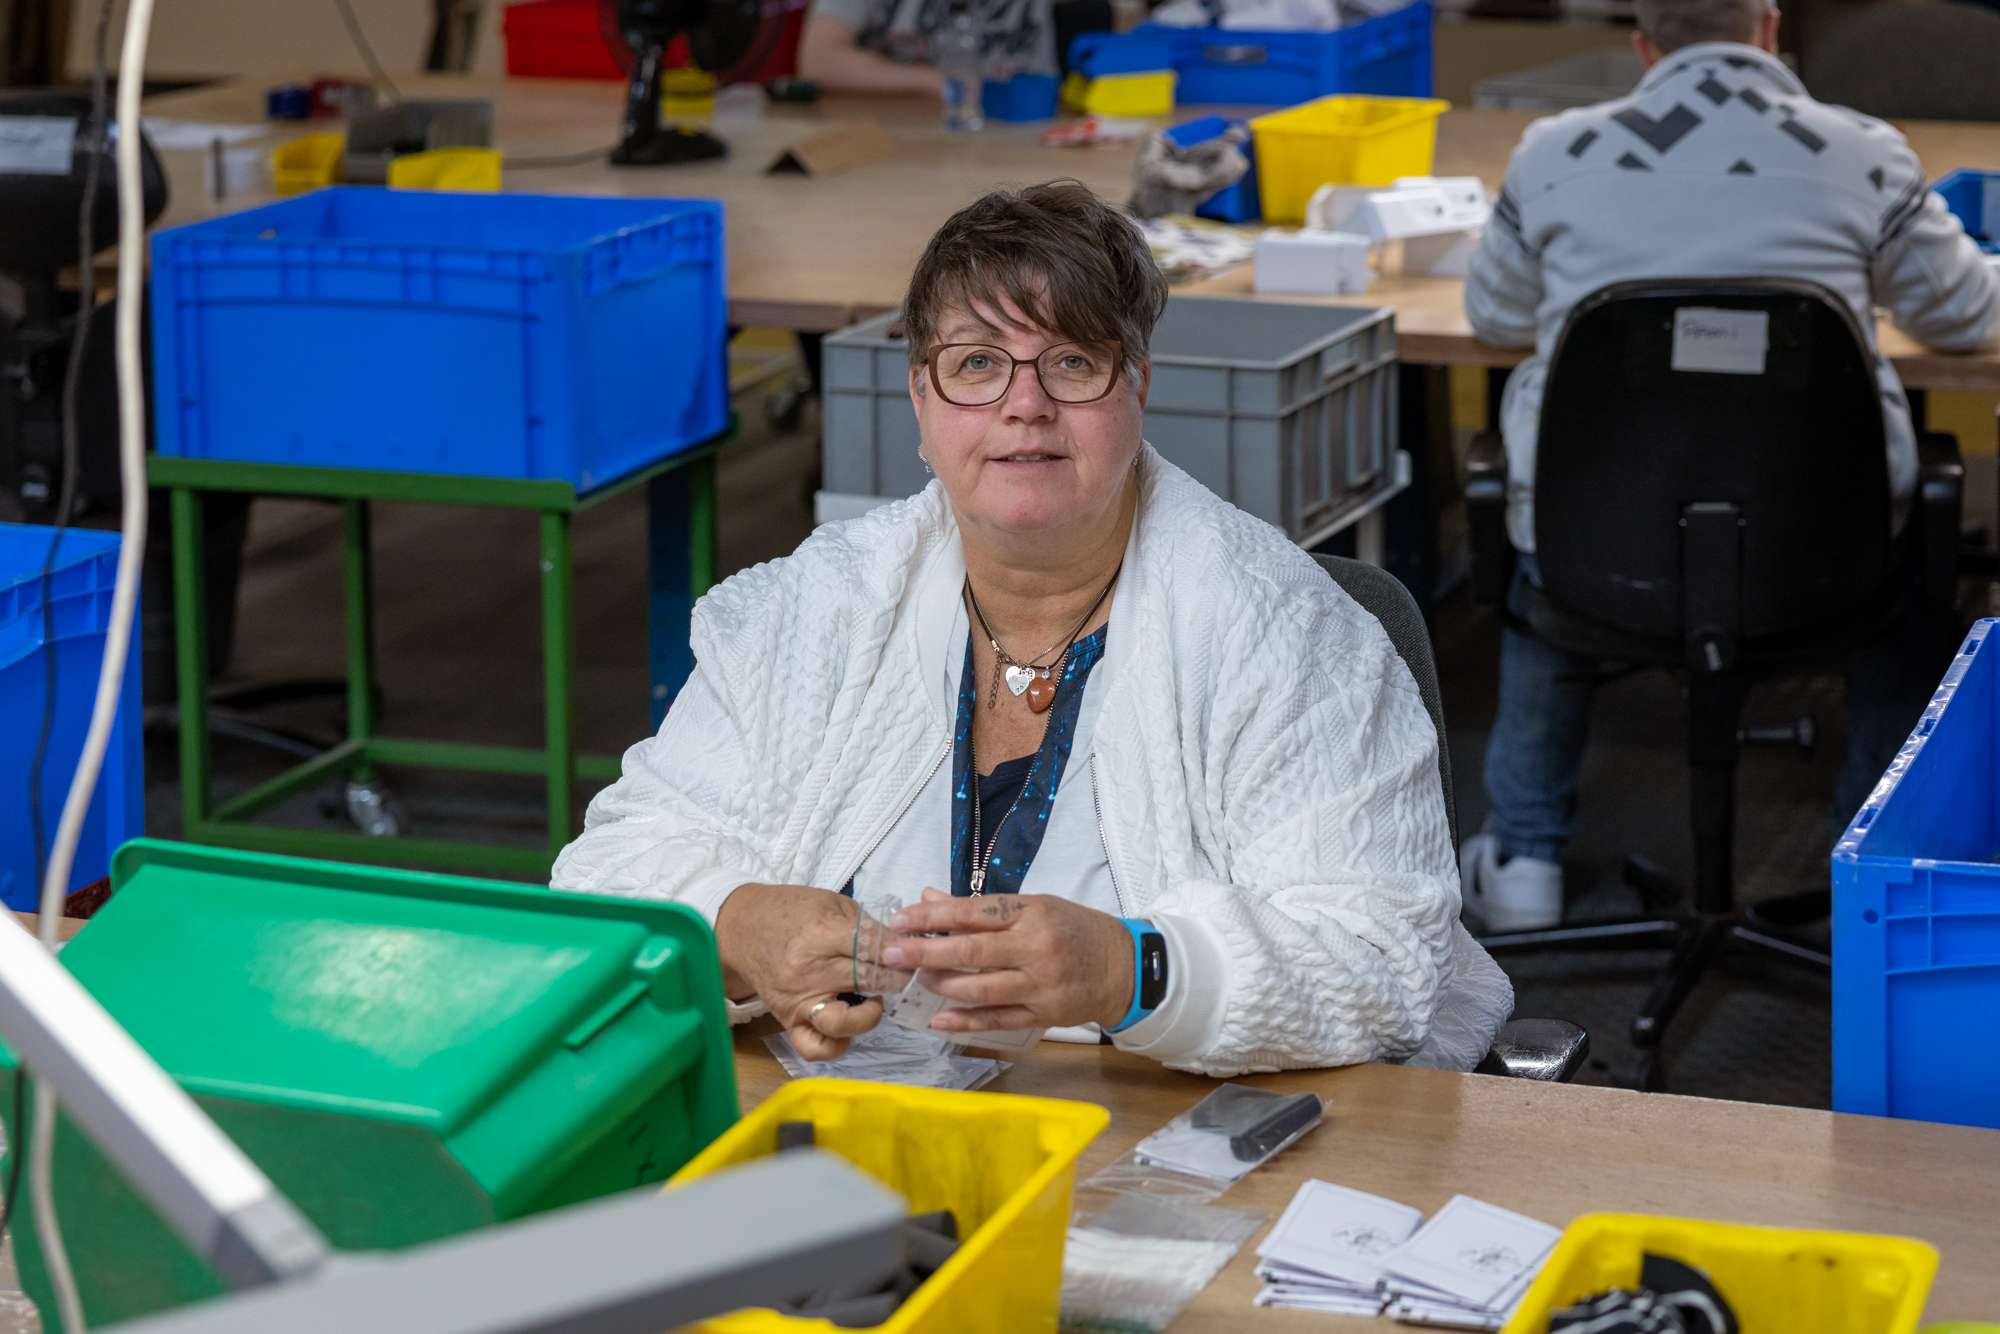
(815, 254)
(1552, 1152)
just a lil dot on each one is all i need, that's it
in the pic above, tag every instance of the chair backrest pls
(1383, 596)
(1677, 400)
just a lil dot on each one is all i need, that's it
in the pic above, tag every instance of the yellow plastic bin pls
(1780, 1281)
(1147, 94)
(466, 169)
(1344, 140)
(308, 163)
(1004, 1164)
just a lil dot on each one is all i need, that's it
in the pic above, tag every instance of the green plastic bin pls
(408, 1056)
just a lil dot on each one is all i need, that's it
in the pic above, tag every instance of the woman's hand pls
(1042, 962)
(793, 946)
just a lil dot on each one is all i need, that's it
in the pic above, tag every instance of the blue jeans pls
(1535, 751)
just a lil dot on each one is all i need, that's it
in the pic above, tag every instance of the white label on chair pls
(1730, 342)
(37, 145)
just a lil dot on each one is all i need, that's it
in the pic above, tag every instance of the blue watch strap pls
(1140, 929)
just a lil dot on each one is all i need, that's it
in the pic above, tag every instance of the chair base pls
(1698, 941)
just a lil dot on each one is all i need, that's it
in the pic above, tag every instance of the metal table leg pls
(358, 589)
(558, 652)
(191, 653)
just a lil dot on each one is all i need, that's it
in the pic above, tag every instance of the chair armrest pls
(1939, 517)
(1486, 519)
(1551, 1050)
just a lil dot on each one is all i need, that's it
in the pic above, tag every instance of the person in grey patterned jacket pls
(1719, 164)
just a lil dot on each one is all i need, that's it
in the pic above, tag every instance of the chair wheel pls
(372, 811)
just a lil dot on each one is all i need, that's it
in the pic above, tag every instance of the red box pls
(566, 39)
(559, 39)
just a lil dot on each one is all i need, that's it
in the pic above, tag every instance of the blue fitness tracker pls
(1149, 972)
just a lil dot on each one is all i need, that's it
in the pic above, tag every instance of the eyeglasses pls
(974, 375)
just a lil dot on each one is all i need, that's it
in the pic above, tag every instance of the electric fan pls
(725, 38)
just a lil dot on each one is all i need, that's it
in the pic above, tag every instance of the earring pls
(926, 462)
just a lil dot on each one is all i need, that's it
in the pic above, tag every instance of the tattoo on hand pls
(1002, 909)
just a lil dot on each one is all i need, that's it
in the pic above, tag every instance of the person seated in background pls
(884, 46)
(1717, 165)
(1114, 715)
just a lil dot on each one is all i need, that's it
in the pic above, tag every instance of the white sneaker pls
(1523, 895)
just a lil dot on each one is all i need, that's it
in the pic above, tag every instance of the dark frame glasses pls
(1057, 391)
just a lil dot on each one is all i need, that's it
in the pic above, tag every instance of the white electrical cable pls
(124, 602)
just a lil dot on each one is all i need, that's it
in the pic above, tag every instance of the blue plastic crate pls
(1975, 197)
(86, 569)
(1020, 98)
(1387, 56)
(1144, 50)
(1916, 914)
(479, 335)
(1235, 203)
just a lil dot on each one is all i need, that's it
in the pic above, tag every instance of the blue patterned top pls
(1035, 777)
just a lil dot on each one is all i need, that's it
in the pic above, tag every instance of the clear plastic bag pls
(914, 1005)
(1136, 1263)
(888, 1055)
(1146, 1238)
(1231, 1132)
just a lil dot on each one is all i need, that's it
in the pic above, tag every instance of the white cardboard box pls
(1312, 263)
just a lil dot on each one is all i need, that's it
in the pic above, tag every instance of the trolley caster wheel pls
(372, 811)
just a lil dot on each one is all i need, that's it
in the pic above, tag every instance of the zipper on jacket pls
(1104, 839)
(901, 811)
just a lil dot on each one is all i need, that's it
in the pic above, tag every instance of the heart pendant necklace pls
(1041, 692)
(1032, 678)
(1022, 678)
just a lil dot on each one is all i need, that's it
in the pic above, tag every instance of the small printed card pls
(1472, 1253)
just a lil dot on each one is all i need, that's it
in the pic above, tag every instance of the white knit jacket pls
(1265, 770)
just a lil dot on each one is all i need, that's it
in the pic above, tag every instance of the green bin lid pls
(397, 994)
(468, 1050)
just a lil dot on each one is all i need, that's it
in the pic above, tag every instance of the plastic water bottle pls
(961, 66)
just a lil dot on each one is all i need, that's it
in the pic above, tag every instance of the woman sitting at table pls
(1181, 788)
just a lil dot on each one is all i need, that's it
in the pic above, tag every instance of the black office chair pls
(1723, 526)
(1546, 1049)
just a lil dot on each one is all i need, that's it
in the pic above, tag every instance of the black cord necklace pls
(1031, 678)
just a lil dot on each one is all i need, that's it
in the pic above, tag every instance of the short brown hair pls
(1673, 24)
(1072, 263)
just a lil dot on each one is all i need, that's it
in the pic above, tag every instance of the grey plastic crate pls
(1574, 81)
(378, 137)
(1285, 410)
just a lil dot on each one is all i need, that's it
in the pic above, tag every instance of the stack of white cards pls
(1346, 1253)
